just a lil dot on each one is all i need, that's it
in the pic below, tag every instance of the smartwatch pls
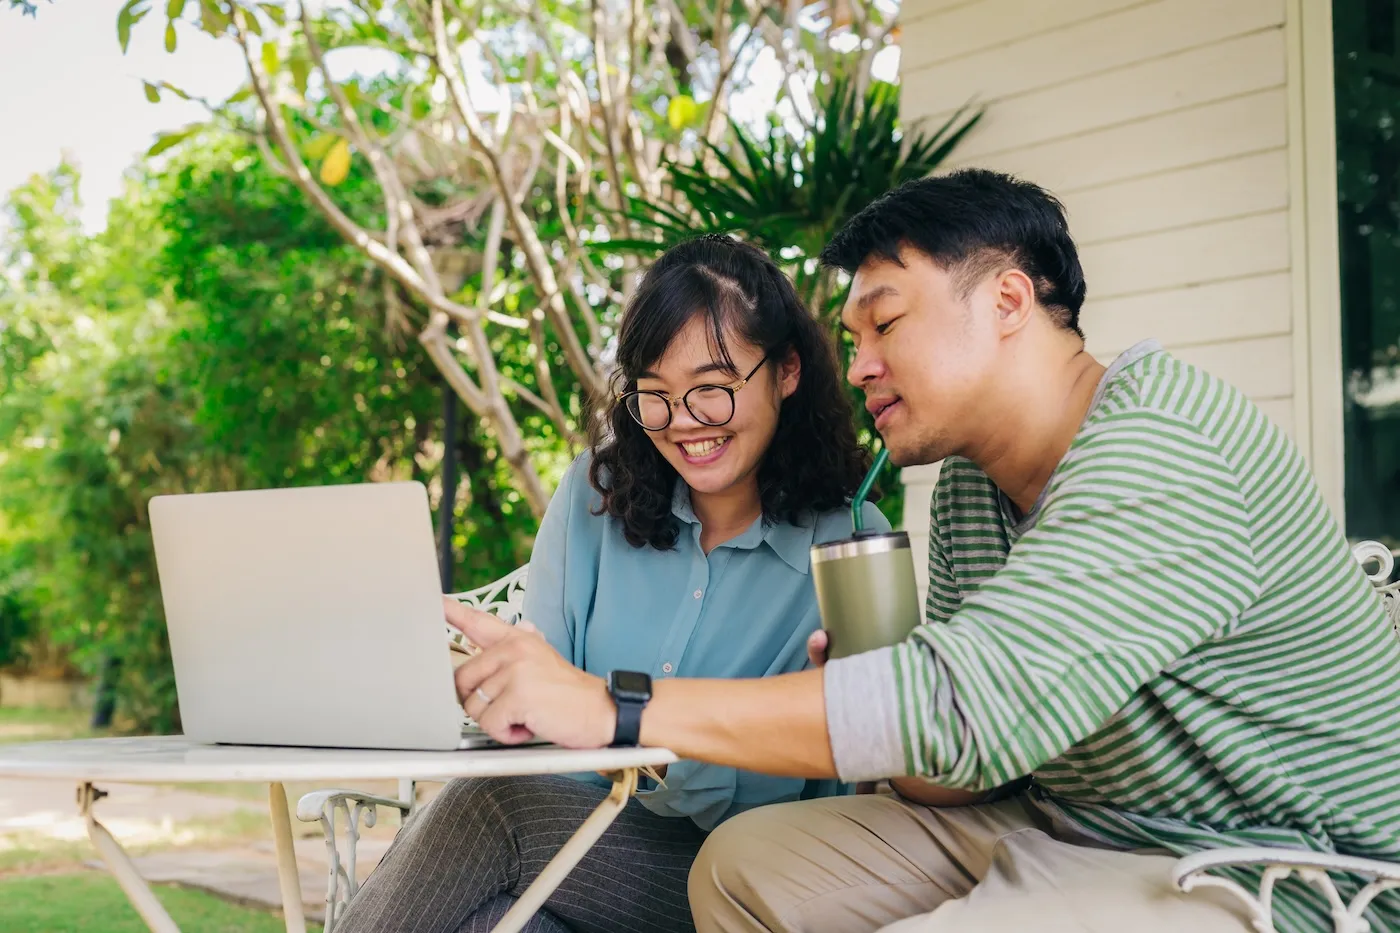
(631, 691)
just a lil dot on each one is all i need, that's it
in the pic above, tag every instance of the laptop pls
(308, 617)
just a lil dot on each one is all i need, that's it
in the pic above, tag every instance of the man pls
(1146, 635)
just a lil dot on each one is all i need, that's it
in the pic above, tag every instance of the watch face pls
(631, 684)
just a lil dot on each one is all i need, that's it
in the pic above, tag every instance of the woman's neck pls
(726, 514)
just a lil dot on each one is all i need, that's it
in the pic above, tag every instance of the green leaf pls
(131, 14)
(274, 13)
(270, 60)
(301, 73)
(681, 111)
(165, 140)
(320, 145)
(183, 95)
(240, 95)
(170, 38)
(174, 8)
(152, 92)
(212, 18)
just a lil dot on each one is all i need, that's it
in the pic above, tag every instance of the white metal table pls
(175, 759)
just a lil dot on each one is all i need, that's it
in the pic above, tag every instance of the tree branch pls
(535, 258)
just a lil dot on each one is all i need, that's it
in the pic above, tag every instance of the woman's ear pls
(789, 373)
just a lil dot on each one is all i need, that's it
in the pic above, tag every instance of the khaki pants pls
(875, 862)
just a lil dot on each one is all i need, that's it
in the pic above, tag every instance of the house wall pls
(1174, 132)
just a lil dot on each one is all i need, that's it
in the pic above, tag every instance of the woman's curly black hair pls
(814, 463)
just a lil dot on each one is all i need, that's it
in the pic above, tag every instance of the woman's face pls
(713, 459)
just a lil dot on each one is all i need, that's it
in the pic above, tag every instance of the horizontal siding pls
(1129, 36)
(1163, 127)
(1236, 309)
(954, 31)
(1213, 252)
(1251, 184)
(1199, 76)
(1197, 136)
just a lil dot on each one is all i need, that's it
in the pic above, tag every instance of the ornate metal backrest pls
(504, 597)
(1378, 563)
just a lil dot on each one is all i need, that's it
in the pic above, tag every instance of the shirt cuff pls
(862, 716)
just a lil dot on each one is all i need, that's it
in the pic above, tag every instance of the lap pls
(876, 862)
(483, 839)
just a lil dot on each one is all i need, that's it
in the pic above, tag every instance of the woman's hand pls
(518, 687)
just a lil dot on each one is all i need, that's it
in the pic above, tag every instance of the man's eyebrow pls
(874, 295)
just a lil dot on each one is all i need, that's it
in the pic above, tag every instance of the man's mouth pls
(880, 408)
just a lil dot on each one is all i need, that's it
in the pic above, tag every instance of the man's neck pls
(726, 514)
(1036, 427)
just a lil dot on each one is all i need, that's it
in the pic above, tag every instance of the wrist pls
(607, 715)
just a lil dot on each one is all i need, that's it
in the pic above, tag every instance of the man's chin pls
(907, 453)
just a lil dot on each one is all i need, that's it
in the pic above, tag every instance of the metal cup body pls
(866, 592)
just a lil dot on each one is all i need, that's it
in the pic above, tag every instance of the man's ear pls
(1015, 301)
(789, 373)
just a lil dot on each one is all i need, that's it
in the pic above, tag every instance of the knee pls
(464, 804)
(739, 868)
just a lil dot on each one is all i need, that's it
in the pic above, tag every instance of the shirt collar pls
(792, 543)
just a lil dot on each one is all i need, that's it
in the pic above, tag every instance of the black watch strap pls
(630, 692)
(629, 723)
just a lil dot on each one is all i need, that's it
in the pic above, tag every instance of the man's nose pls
(865, 366)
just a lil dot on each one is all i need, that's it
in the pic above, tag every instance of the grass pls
(30, 852)
(93, 903)
(22, 724)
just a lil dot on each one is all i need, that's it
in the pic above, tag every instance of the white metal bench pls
(1313, 867)
(341, 812)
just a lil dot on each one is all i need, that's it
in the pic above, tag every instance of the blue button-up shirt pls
(743, 610)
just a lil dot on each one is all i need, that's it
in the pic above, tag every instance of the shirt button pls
(699, 593)
(666, 668)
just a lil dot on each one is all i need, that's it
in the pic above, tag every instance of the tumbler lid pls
(860, 546)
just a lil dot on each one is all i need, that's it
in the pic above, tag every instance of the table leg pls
(624, 786)
(121, 867)
(287, 876)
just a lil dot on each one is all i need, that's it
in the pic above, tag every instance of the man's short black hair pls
(972, 222)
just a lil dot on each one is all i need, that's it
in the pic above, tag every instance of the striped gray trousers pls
(459, 864)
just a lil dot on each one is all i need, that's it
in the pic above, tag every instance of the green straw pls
(857, 513)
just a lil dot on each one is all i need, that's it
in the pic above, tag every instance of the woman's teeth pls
(703, 448)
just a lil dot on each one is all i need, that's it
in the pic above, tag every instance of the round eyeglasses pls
(711, 405)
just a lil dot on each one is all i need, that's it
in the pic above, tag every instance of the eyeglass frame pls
(671, 401)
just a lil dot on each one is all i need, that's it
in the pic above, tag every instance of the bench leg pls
(121, 867)
(287, 877)
(624, 786)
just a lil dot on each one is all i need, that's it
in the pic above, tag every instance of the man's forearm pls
(776, 725)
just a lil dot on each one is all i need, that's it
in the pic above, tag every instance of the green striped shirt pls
(1176, 644)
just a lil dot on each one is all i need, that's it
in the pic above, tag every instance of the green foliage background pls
(217, 335)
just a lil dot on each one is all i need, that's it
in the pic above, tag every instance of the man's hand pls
(817, 645)
(518, 687)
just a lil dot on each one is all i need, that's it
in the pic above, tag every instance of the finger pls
(525, 625)
(504, 718)
(477, 671)
(482, 628)
(493, 687)
(817, 647)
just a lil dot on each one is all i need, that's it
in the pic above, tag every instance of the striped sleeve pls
(1141, 553)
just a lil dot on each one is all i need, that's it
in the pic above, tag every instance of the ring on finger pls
(482, 696)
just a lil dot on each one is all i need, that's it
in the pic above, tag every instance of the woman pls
(679, 547)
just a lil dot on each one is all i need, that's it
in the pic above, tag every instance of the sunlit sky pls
(68, 89)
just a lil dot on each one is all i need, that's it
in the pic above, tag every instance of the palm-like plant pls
(789, 192)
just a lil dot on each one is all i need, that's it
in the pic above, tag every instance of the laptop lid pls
(309, 616)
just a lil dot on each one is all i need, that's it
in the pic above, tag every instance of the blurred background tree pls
(286, 293)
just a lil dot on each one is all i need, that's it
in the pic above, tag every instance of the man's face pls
(923, 354)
